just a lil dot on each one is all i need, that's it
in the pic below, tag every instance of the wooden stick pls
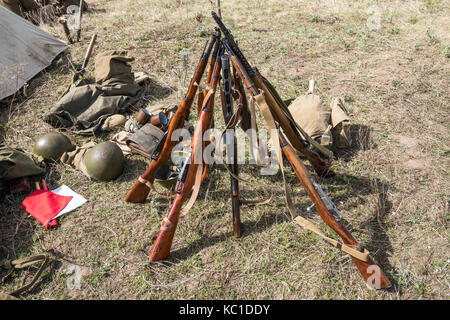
(80, 13)
(63, 22)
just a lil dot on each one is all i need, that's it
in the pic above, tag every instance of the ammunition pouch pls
(145, 140)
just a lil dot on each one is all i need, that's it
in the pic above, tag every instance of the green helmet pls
(104, 162)
(52, 145)
(167, 175)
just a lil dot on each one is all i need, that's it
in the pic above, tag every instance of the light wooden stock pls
(89, 50)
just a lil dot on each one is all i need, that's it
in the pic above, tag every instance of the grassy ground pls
(389, 62)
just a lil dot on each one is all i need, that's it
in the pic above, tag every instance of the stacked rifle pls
(229, 66)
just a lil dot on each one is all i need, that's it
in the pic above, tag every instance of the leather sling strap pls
(363, 256)
(198, 175)
(195, 191)
(254, 133)
(11, 265)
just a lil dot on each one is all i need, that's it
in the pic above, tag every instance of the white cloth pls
(76, 201)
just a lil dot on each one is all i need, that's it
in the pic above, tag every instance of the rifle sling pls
(261, 102)
(231, 124)
(363, 256)
(10, 265)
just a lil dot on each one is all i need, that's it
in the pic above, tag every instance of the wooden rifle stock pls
(142, 186)
(367, 269)
(212, 63)
(163, 243)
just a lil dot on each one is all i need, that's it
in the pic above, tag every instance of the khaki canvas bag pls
(340, 122)
(327, 124)
(15, 163)
(313, 116)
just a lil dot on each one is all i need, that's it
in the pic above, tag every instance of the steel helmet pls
(52, 145)
(104, 162)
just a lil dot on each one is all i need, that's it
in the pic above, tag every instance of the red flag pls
(44, 205)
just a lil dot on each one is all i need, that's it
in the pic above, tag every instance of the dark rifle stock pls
(163, 243)
(303, 176)
(139, 192)
(231, 146)
(87, 56)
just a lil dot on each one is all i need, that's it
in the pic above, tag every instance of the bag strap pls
(11, 265)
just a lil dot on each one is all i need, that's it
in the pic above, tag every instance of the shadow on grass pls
(362, 140)
(248, 228)
(156, 91)
(379, 244)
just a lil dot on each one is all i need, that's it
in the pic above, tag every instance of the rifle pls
(255, 84)
(231, 145)
(281, 117)
(188, 175)
(370, 271)
(144, 184)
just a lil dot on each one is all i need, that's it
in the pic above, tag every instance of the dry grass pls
(392, 186)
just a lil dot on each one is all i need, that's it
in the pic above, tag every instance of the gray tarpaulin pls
(25, 49)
